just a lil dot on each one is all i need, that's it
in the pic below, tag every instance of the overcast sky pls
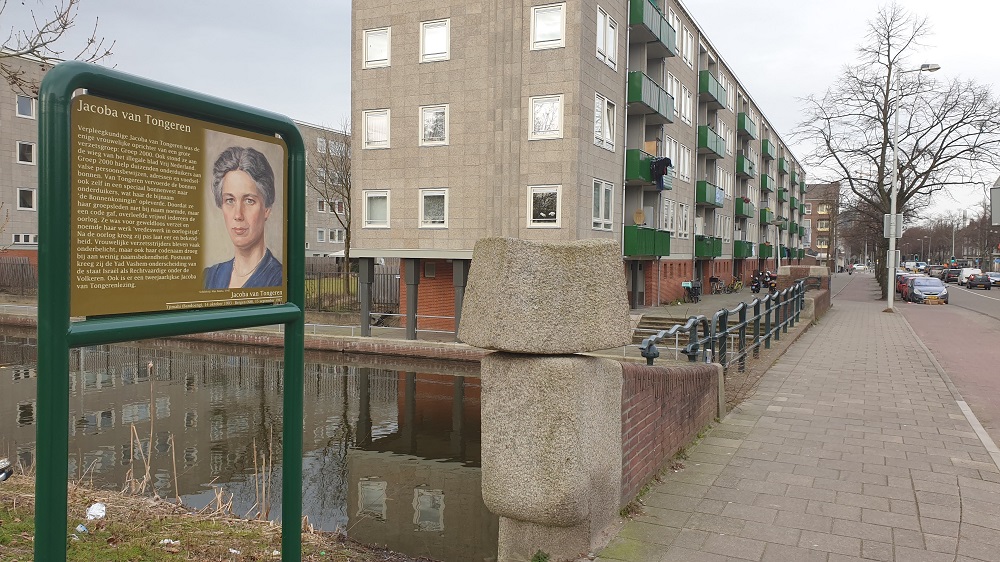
(293, 56)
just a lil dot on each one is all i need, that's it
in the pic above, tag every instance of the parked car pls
(994, 277)
(980, 280)
(904, 290)
(950, 275)
(859, 267)
(929, 290)
(935, 270)
(902, 279)
(964, 274)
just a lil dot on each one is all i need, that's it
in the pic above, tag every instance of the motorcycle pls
(755, 284)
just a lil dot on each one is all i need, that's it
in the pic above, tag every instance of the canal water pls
(391, 450)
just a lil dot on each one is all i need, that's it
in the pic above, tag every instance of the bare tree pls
(949, 132)
(44, 41)
(329, 177)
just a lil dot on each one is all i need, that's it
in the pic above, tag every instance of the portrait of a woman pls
(243, 188)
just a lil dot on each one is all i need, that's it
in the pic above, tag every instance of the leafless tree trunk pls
(329, 177)
(949, 131)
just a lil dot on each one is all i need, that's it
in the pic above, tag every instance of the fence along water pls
(18, 276)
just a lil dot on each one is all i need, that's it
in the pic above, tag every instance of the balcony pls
(637, 167)
(802, 187)
(767, 184)
(793, 228)
(744, 208)
(802, 208)
(782, 166)
(709, 195)
(802, 230)
(767, 150)
(766, 216)
(742, 249)
(782, 195)
(782, 223)
(766, 251)
(646, 97)
(795, 178)
(710, 143)
(707, 246)
(644, 241)
(745, 168)
(746, 126)
(710, 91)
(646, 24)
(794, 203)
(801, 253)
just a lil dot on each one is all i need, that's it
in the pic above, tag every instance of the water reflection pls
(391, 452)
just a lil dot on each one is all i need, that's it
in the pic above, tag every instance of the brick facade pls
(663, 409)
(435, 295)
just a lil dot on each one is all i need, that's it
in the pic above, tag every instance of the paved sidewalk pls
(853, 448)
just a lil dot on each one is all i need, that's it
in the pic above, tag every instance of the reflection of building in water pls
(222, 407)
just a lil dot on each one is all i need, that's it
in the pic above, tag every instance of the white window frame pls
(557, 133)
(538, 45)
(688, 47)
(669, 215)
(607, 38)
(337, 235)
(337, 206)
(603, 207)
(377, 63)
(532, 190)
(684, 163)
(34, 153)
(424, 223)
(34, 199)
(423, 132)
(604, 127)
(435, 57)
(320, 235)
(683, 220)
(809, 208)
(321, 145)
(366, 222)
(17, 106)
(320, 206)
(673, 85)
(807, 237)
(672, 151)
(687, 105)
(366, 116)
(675, 22)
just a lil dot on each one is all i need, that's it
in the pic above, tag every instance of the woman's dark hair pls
(248, 160)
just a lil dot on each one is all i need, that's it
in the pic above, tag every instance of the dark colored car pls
(980, 280)
(901, 282)
(950, 275)
(929, 290)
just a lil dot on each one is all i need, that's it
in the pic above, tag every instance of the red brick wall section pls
(32, 255)
(663, 409)
(435, 297)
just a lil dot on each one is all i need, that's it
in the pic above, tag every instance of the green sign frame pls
(57, 334)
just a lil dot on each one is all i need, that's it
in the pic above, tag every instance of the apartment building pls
(328, 168)
(540, 120)
(822, 207)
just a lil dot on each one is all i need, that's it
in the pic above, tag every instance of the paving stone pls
(830, 543)
(737, 547)
(861, 530)
(770, 533)
(785, 553)
(875, 550)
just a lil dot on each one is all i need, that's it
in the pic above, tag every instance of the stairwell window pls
(607, 38)
(434, 125)
(376, 128)
(433, 208)
(25, 153)
(376, 212)
(25, 107)
(546, 117)
(435, 40)
(603, 203)
(604, 123)
(543, 206)
(27, 199)
(548, 26)
(376, 47)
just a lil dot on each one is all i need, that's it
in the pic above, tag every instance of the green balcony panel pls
(766, 216)
(767, 183)
(710, 90)
(709, 194)
(802, 230)
(745, 167)
(639, 241)
(742, 249)
(795, 178)
(802, 253)
(707, 246)
(782, 195)
(794, 203)
(648, 25)
(793, 227)
(637, 167)
(746, 126)
(802, 186)
(646, 97)
(744, 208)
(765, 251)
(782, 223)
(710, 143)
(782, 166)
(802, 208)
(767, 149)
(661, 243)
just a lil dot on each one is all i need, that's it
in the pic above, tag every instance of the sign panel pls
(172, 213)
(887, 228)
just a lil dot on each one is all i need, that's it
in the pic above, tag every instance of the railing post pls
(722, 320)
(801, 300)
(743, 337)
(777, 316)
(712, 330)
(784, 309)
(768, 302)
(756, 328)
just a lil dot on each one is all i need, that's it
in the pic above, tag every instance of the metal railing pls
(730, 343)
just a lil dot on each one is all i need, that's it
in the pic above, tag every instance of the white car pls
(860, 267)
(964, 274)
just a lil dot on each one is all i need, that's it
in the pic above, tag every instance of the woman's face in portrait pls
(244, 210)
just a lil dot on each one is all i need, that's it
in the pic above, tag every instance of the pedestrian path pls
(853, 448)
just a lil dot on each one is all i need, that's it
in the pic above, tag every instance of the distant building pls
(327, 210)
(820, 219)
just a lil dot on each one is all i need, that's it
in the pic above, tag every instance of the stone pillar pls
(411, 275)
(366, 276)
(551, 418)
(459, 279)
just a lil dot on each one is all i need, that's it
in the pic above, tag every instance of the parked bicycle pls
(736, 286)
(718, 286)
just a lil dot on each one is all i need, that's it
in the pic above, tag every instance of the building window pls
(687, 105)
(376, 209)
(807, 237)
(823, 225)
(321, 175)
(548, 26)
(674, 20)
(433, 208)
(376, 46)
(673, 85)
(823, 209)
(604, 123)
(26, 199)
(688, 47)
(435, 40)
(376, 127)
(672, 151)
(669, 215)
(603, 202)
(822, 242)
(320, 235)
(684, 164)
(25, 107)
(337, 235)
(809, 208)
(607, 38)
(434, 125)
(25, 152)
(320, 206)
(543, 206)
(683, 220)
(321, 146)
(337, 206)
(546, 117)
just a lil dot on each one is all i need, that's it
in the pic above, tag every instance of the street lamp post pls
(922, 257)
(891, 258)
